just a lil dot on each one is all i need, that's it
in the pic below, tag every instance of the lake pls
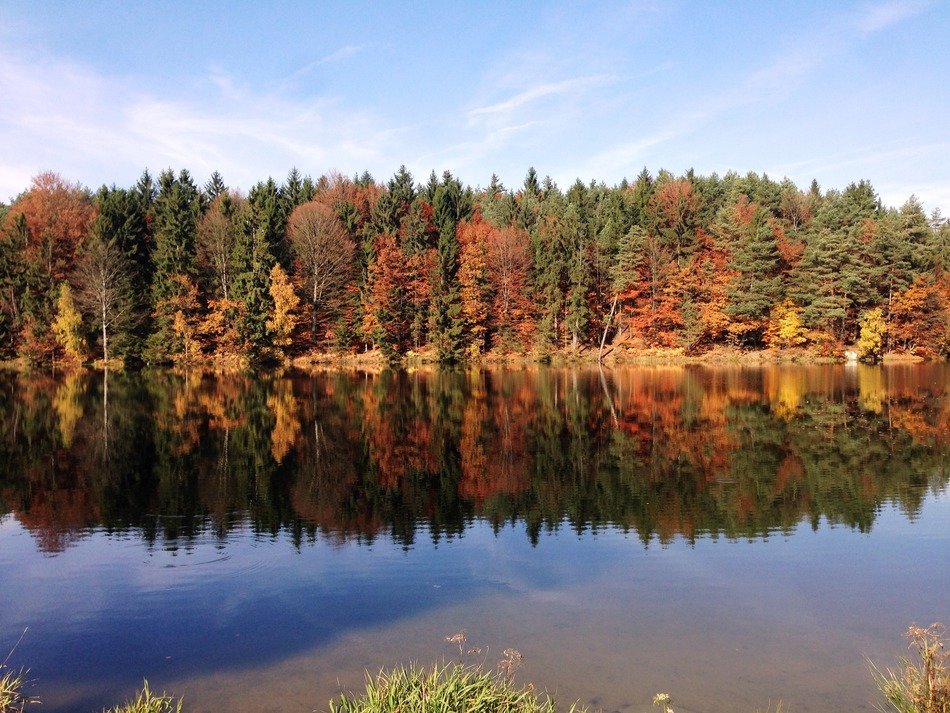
(733, 536)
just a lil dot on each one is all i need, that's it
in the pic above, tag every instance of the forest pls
(169, 272)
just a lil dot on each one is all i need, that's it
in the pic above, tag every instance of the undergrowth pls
(450, 687)
(147, 702)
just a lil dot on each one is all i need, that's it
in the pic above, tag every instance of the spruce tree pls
(122, 224)
(177, 209)
(452, 205)
(254, 257)
(214, 187)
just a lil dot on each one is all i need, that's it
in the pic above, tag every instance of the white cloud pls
(337, 56)
(100, 129)
(879, 17)
(540, 91)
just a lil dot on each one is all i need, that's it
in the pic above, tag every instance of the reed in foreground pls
(147, 702)
(921, 683)
(450, 687)
(12, 697)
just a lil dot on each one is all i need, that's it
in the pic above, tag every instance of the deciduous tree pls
(325, 255)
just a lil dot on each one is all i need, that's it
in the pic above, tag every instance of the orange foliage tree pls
(387, 299)
(509, 261)
(475, 287)
(58, 215)
(919, 318)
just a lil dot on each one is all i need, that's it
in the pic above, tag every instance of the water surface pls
(731, 535)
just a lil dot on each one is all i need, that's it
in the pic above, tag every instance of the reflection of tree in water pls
(664, 452)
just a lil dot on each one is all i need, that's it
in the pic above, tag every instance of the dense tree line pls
(167, 271)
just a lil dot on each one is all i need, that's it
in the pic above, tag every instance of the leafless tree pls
(103, 287)
(217, 235)
(324, 251)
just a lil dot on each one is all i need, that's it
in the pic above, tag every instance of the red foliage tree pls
(58, 215)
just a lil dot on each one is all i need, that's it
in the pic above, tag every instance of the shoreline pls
(374, 360)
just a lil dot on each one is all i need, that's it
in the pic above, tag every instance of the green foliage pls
(254, 257)
(121, 234)
(757, 286)
(451, 687)
(177, 209)
(692, 260)
(451, 205)
(819, 283)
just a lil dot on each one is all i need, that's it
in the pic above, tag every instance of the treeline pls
(663, 453)
(167, 271)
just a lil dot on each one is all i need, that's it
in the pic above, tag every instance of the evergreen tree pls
(296, 191)
(757, 286)
(214, 187)
(551, 257)
(818, 284)
(395, 203)
(452, 205)
(254, 257)
(122, 224)
(498, 205)
(177, 209)
(13, 283)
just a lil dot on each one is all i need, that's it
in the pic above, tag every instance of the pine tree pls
(818, 284)
(757, 286)
(214, 187)
(578, 272)
(550, 264)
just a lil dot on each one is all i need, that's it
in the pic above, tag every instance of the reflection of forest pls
(661, 451)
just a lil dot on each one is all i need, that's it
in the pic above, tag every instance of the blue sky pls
(837, 91)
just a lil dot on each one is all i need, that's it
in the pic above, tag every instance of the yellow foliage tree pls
(186, 317)
(283, 405)
(785, 328)
(285, 316)
(870, 345)
(67, 326)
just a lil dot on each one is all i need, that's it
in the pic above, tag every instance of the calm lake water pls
(732, 536)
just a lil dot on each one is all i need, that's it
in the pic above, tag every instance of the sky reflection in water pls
(730, 535)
